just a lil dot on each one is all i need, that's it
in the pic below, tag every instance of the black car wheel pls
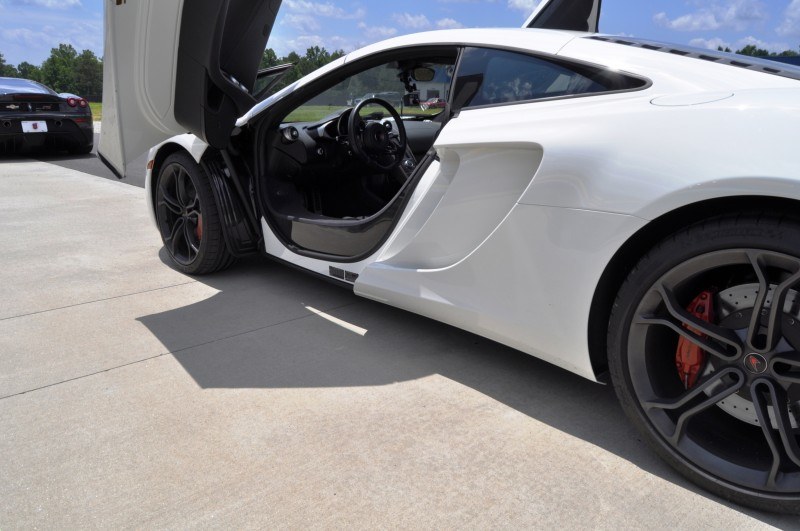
(704, 352)
(187, 217)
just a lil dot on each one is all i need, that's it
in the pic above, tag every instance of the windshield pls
(411, 99)
(9, 85)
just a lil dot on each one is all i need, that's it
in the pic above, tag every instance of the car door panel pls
(141, 41)
(175, 66)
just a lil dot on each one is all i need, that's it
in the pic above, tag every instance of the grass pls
(311, 113)
(314, 113)
(97, 111)
(306, 113)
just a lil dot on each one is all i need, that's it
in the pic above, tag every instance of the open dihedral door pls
(177, 66)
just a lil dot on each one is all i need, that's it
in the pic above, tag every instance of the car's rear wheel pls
(704, 352)
(188, 218)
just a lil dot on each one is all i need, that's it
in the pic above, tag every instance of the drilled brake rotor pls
(734, 307)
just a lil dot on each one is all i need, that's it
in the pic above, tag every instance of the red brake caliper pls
(198, 231)
(689, 358)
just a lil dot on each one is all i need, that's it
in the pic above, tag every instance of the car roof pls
(9, 85)
(547, 41)
(671, 72)
(756, 64)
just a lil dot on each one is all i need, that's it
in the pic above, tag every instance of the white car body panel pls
(189, 144)
(619, 175)
(537, 306)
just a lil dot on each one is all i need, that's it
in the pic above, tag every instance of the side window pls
(494, 77)
(384, 82)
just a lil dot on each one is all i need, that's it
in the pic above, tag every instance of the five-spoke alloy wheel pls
(704, 352)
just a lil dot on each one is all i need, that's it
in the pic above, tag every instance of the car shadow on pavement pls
(271, 339)
(62, 156)
(15, 156)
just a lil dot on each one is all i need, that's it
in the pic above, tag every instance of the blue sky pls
(29, 28)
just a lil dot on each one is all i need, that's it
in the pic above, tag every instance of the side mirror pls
(424, 74)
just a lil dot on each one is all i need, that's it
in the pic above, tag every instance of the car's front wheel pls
(188, 218)
(704, 352)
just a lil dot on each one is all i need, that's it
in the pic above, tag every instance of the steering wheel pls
(374, 142)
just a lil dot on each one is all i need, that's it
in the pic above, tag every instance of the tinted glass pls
(493, 77)
(10, 85)
(383, 82)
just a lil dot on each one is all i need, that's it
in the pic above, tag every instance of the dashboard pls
(325, 145)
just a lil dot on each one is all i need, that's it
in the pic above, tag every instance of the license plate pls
(39, 126)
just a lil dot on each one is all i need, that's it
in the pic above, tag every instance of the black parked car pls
(34, 116)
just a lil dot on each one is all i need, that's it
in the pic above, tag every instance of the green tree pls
(268, 59)
(6, 70)
(753, 51)
(314, 58)
(294, 74)
(29, 71)
(58, 70)
(726, 49)
(88, 71)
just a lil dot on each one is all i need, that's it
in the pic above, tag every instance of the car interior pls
(338, 164)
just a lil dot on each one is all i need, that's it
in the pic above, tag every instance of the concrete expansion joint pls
(176, 351)
(96, 301)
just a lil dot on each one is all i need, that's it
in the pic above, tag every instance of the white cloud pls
(407, 20)
(448, 23)
(790, 27)
(714, 42)
(737, 15)
(28, 31)
(301, 43)
(323, 9)
(53, 4)
(377, 32)
(694, 22)
(758, 43)
(29, 37)
(523, 5)
(82, 35)
(709, 44)
(301, 22)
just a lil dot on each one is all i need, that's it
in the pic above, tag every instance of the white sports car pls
(625, 209)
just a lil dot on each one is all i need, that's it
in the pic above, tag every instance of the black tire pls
(188, 218)
(748, 454)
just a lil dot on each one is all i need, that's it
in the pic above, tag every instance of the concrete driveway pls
(132, 396)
